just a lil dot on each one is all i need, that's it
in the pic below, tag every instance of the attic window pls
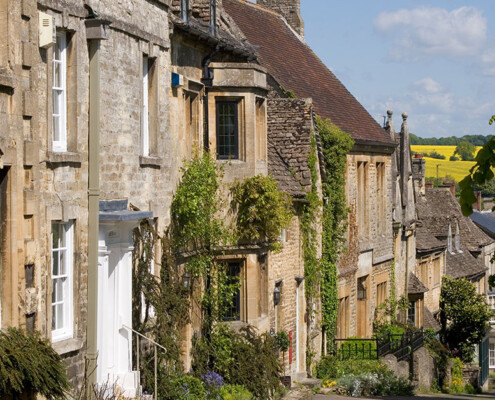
(184, 8)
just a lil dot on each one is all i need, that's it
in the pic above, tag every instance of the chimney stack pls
(477, 204)
(290, 10)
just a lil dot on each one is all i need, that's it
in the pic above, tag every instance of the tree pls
(479, 174)
(466, 151)
(464, 316)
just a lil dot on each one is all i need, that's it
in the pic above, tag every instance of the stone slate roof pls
(485, 221)
(464, 265)
(415, 286)
(290, 123)
(294, 66)
(429, 321)
(426, 242)
(439, 209)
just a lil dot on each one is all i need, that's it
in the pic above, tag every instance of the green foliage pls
(168, 299)
(453, 158)
(282, 341)
(331, 367)
(235, 392)
(288, 93)
(188, 387)
(464, 316)
(261, 210)
(336, 144)
(457, 385)
(466, 151)
(242, 358)
(196, 204)
(376, 384)
(435, 155)
(480, 174)
(29, 365)
(476, 140)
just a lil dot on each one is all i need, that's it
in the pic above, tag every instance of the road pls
(484, 396)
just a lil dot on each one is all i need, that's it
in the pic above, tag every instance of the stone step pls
(311, 382)
(298, 394)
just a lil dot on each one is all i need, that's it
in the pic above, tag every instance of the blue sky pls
(433, 59)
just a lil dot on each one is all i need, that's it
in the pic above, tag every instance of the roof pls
(290, 123)
(426, 242)
(439, 209)
(415, 286)
(429, 321)
(464, 265)
(294, 66)
(485, 221)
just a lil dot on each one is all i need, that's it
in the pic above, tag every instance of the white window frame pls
(66, 301)
(59, 116)
(491, 355)
(145, 130)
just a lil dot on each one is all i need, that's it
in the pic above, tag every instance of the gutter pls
(96, 30)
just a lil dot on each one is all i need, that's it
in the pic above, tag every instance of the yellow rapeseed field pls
(457, 169)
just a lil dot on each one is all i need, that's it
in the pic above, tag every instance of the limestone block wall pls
(432, 297)
(124, 172)
(290, 315)
(19, 165)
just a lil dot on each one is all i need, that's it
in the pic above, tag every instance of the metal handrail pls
(145, 337)
(155, 344)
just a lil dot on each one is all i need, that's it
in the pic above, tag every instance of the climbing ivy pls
(336, 144)
(261, 210)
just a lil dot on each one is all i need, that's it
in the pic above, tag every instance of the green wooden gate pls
(484, 356)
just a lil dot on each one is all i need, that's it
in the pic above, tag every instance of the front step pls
(311, 383)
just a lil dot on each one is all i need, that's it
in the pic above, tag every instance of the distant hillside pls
(477, 140)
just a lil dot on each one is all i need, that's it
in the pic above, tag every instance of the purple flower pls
(213, 380)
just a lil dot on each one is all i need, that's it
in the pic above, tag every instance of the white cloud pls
(426, 31)
(429, 94)
(488, 62)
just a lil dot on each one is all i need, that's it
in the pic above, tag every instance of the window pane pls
(56, 49)
(55, 263)
(60, 316)
(55, 236)
(227, 130)
(54, 318)
(63, 261)
(57, 75)
(60, 289)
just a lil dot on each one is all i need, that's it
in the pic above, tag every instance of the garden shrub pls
(188, 387)
(241, 358)
(331, 367)
(457, 385)
(28, 364)
(376, 384)
(235, 392)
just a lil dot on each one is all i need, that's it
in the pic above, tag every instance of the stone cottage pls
(100, 103)
(276, 28)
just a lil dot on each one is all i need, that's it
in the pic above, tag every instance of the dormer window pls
(449, 240)
(184, 9)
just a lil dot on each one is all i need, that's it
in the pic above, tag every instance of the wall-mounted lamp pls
(186, 280)
(276, 296)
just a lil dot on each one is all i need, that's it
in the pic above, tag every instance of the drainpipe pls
(207, 80)
(96, 30)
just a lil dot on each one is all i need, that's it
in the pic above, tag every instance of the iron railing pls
(156, 346)
(401, 346)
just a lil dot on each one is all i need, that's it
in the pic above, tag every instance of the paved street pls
(418, 397)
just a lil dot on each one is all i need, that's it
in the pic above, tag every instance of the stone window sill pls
(68, 346)
(150, 161)
(64, 157)
(6, 79)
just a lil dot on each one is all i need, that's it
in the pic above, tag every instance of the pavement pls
(484, 396)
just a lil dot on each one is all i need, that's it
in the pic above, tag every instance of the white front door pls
(115, 309)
